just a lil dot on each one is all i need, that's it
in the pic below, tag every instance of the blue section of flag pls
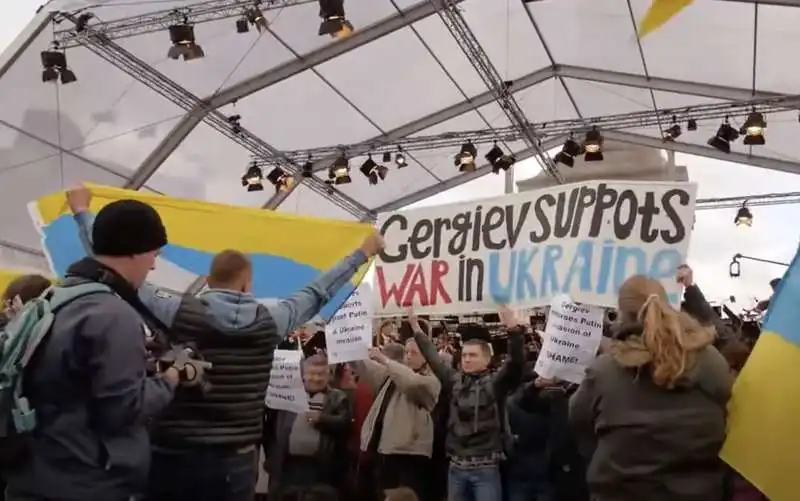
(783, 316)
(273, 276)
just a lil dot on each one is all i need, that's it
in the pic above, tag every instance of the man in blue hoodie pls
(88, 379)
(205, 446)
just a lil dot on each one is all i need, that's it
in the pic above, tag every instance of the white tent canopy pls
(401, 73)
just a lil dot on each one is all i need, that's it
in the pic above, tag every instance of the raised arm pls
(304, 304)
(372, 373)
(509, 376)
(420, 389)
(697, 306)
(443, 372)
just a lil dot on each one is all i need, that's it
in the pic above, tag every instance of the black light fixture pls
(373, 171)
(387, 157)
(183, 43)
(254, 16)
(753, 129)
(54, 67)
(253, 178)
(400, 158)
(307, 169)
(282, 180)
(743, 216)
(735, 268)
(593, 146)
(691, 124)
(465, 159)
(499, 160)
(569, 151)
(494, 155)
(242, 25)
(334, 22)
(672, 132)
(339, 171)
(724, 136)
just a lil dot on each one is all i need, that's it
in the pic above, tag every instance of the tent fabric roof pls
(401, 73)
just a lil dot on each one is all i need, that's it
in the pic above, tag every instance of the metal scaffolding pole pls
(459, 29)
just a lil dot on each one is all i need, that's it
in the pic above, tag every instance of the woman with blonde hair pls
(650, 413)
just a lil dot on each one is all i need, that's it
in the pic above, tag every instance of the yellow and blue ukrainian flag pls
(287, 251)
(763, 442)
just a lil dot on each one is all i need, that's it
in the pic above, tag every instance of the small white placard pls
(286, 390)
(348, 334)
(571, 339)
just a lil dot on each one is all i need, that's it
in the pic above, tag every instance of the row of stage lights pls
(184, 43)
(339, 170)
(591, 148)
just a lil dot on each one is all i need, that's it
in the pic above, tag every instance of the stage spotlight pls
(569, 151)
(183, 43)
(339, 171)
(253, 178)
(465, 159)
(499, 160)
(593, 146)
(282, 180)
(373, 171)
(54, 67)
(255, 17)
(308, 169)
(722, 139)
(743, 216)
(334, 22)
(753, 129)
(400, 158)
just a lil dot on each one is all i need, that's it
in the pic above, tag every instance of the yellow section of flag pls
(659, 13)
(763, 442)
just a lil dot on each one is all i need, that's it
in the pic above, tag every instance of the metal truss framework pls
(114, 54)
(196, 13)
(650, 118)
(766, 199)
(275, 75)
(418, 12)
(466, 40)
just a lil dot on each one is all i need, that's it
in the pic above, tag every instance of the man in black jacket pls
(476, 435)
(205, 445)
(88, 379)
(305, 451)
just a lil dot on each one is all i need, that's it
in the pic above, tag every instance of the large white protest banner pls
(582, 239)
(286, 390)
(348, 334)
(571, 339)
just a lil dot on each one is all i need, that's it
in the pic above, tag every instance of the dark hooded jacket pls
(237, 335)
(649, 442)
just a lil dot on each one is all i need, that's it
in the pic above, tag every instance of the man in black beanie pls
(88, 382)
(205, 446)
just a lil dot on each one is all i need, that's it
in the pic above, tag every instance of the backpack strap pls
(57, 297)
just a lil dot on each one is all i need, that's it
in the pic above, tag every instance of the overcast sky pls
(774, 234)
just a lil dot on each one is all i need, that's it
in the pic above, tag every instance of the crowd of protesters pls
(428, 416)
